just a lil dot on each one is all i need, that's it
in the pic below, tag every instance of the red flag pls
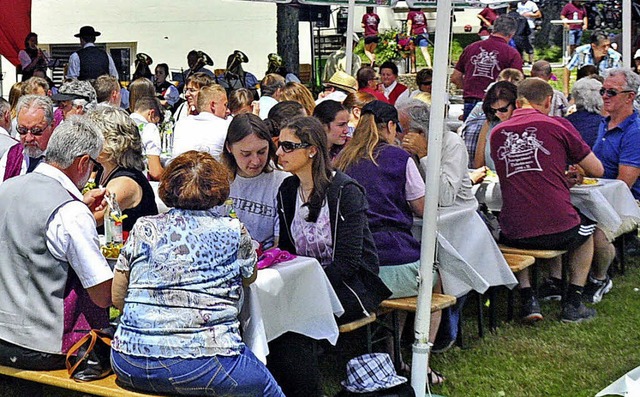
(15, 25)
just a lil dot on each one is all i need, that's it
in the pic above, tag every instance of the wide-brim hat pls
(344, 81)
(371, 372)
(382, 112)
(75, 89)
(87, 31)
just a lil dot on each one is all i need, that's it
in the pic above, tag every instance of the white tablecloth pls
(610, 203)
(469, 256)
(292, 296)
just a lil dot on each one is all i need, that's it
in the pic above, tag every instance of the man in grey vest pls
(90, 61)
(54, 281)
(6, 141)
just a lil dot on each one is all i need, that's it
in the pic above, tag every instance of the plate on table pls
(589, 182)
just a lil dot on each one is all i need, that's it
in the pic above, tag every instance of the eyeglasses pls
(426, 83)
(97, 167)
(289, 147)
(611, 92)
(34, 131)
(500, 110)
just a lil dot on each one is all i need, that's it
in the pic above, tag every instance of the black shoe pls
(550, 290)
(530, 311)
(595, 289)
(576, 314)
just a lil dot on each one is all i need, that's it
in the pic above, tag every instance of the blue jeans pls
(240, 375)
(469, 104)
(575, 37)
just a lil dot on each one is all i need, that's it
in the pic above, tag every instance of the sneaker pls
(576, 314)
(595, 289)
(530, 310)
(550, 290)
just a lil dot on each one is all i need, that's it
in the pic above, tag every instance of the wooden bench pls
(409, 304)
(60, 378)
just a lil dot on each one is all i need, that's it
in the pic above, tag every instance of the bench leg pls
(480, 316)
(510, 304)
(492, 309)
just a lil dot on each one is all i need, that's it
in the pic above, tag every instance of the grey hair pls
(541, 69)
(36, 102)
(86, 106)
(122, 141)
(632, 80)
(75, 137)
(5, 106)
(505, 25)
(418, 113)
(586, 94)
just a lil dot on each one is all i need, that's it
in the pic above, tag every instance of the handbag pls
(92, 359)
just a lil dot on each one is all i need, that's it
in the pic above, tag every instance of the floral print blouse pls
(185, 285)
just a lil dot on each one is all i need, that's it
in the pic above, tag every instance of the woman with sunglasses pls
(335, 120)
(498, 105)
(250, 155)
(322, 214)
(121, 164)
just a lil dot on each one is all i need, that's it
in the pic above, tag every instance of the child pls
(147, 114)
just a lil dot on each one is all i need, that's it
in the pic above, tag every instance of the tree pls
(287, 32)
(549, 34)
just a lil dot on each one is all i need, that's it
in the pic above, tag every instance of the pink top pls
(482, 61)
(531, 152)
(370, 22)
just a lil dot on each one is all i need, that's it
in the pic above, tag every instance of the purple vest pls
(390, 217)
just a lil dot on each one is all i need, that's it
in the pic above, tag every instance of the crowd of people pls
(338, 178)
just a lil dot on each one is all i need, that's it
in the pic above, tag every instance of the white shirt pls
(150, 135)
(266, 103)
(4, 132)
(204, 132)
(74, 64)
(337, 96)
(529, 6)
(72, 236)
(387, 91)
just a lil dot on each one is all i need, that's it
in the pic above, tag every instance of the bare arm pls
(479, 160)
(128, 193)
(155, 167)
(417, 206)
(565, 81)
(409, 24)
(628, 174)
(101, 294)
(592, 166)
(456, 78)
(119, 288)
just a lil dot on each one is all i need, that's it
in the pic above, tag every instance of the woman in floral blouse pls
(179, 283)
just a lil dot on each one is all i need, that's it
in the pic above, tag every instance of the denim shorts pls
(575, 37)
(239, 375)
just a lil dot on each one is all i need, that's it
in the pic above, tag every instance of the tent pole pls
(349, 60)
(421, 346)
(626, 34)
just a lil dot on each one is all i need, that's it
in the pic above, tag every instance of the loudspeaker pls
(318, 14)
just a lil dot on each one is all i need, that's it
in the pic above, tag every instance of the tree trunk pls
(287, 33)
(549, 34)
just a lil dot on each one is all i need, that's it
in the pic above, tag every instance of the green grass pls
(548, 359)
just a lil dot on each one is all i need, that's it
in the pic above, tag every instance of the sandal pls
(434, 377)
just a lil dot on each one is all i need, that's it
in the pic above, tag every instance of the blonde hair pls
(363, 144)
(14, 94)
(208, 94)
(298, 92)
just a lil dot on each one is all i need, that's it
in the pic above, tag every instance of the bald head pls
(541, 69)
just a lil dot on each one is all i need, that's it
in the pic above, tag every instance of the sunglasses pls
(500, 110)
(426, 83)
(289, 147)
(34, 131)
(611, 92)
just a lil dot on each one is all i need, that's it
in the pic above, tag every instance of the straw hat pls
(343, 81)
